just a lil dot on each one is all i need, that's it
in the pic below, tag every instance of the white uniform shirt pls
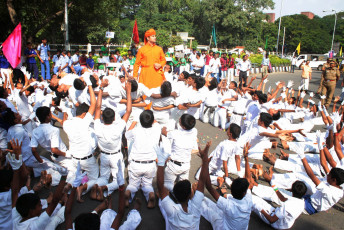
(236, 212)
(144, 141)
(18, 132)
(79, 137)
(179, 219)
(194, 97)
(223, 152)
(35, 223)
(288, 213)
(326, 196)
(226, 95)
(68, 79)
(6, 210)
(9, 105)
(215, 65)
(244, 65)
(48, 137)
(183, 142)
(198, 62)
(109, 136)
(22, 104)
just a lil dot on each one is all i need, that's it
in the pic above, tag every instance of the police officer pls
(331, 76)
(324, 67)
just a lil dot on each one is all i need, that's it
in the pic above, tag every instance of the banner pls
(12, 47)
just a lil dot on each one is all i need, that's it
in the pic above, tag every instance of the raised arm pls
(205, 167)
(129, 102)
(93, 100)
(103, 84)
(308, 169)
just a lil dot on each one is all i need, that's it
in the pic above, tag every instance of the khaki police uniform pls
(325, 66)
(331, 77)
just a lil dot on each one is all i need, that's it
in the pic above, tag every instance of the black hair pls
(53, 88)
(213, 84)
(266, 119)
(93, 81)
(263, 98)
(146, 118)
(83, 108)
(235, 130)
(134, 85)
(2, 92)
(27, 202)
(9, 117)
(276, 116)
(31, 89)
(186, 74)
(188, 121)
(79, 84)
(108, 116)
(61, 94)
(298, 189)
(239, 188)
(338, 174)
(87, 221)
(234, 83)
(42, 113)
(200, 81)
(57, 101)
(182, 190)
(166, 89)
(6, 176)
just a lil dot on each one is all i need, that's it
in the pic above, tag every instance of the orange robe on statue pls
(146, 57)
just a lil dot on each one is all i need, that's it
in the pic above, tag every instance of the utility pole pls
(283, 42)
(279, 27)
(67, 47)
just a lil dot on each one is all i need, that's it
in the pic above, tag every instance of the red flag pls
(136, 37)
(12, 47)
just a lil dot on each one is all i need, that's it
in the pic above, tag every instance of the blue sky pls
(315, 6)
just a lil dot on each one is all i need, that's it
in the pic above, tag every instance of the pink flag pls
(12, 47)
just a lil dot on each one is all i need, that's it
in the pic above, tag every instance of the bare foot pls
(284, 155)
(126, 197)
(100, 195)
(255, 173)
(78, 194)
(268, 174)
(49, 181)
(151, 200)
(220, 181)
(260, 169)
(137, 204)
(93, 193)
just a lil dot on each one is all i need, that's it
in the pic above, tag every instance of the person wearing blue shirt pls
(44, 49)
(65, 62)
(57, 61)
(30, 60)
(90, 61)
(75, 64)
(265, 65)
(4, 65)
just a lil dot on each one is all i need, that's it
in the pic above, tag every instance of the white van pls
(316, 60)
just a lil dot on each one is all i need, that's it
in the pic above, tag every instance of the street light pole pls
(66, 26)
(335, 23)
(279, 27)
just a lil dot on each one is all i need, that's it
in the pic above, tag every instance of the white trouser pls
(66, 163)
(258, 205)
(236, 119)
(220, 118)
(257, 151)
(175, 172)
(56, 219)
(109, 166)
(224, 74)
(212, 213)
(141, 176)
(268, 193)
(294, 164)
(206, 70)
(109, 215)
(305, 82)
(214, 173)
(286, 180)
(230, 75)
(91, 168)
(232, 167)
(309, 147)
(206, 114)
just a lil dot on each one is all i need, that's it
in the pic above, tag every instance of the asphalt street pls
(152, 218)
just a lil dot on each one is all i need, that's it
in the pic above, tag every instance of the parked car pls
(316, 60)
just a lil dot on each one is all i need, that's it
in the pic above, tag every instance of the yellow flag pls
(341, 51)
(298, 48)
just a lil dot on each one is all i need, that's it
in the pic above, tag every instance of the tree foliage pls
(237, 22)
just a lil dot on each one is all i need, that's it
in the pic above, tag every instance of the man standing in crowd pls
(293, 64)
(306, 75)
(224, 66)
(331, 76)
(265, 65)
(244, 68)
(325, 66)
(231, 63)
(30, 60)
(44, 49)
(151, 59)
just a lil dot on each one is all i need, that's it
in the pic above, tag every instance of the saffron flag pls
(214, 35)
(136, 38)
(12, 47)
(298, 48)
